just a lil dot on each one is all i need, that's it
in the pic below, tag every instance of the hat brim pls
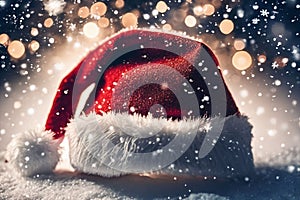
(101, 145)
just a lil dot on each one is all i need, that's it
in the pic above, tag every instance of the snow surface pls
(278, 178)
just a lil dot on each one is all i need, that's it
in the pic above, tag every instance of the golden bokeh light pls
(34, 31)
(226, 26)
(179, 15)
(120, 4)
(17, 105)
(242, 60)
(216, 3)
(90, 30)
(4, 39)
(129, 20)
(103, 22)
(167, 27)
(208, 9)
(190, 21)
(98, 9)
(162, 7)
(281, 61)
(239, 44)
(285, 60)
(48, 22)
(16, 49)
(136, 12)
(198, 10)
(83, 12)
(262, 58)
(34, 46)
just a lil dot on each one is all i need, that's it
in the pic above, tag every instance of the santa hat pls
(144, 101)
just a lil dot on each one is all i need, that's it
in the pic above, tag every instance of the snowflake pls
(275, 65)
(72, 27)
(207, 127)
(255, 21)
(296, 53)
(2, 3)
(264, 13)
(54, 7)
(255, 7)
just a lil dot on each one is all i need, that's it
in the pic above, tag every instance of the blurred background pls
(256, 42)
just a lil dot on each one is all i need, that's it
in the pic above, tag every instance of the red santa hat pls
(144, 101)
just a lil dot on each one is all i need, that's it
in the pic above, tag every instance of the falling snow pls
(264, 13)
(54, 7)
(267, 91)
(255, 21)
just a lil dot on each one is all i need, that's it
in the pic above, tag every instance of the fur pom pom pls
(33, 152)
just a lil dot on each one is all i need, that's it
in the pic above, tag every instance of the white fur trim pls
(230, 157)
(32, 152)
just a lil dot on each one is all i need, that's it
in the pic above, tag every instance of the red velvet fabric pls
(136, 64)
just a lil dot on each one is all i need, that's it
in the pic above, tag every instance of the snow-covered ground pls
(276, 178)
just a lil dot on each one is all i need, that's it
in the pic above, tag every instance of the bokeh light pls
(262, 58)
(34, 46)
(136, 12)
(4, 39)
(98, 9)
(34, 31)
(103, 22)
(226, 26)
(162, 7)
(239, 44)
(16, 49)
(278, 28)
(91, 30)
(17, 105)
(208, 9)
(83, 12)
(190, 21)
(281, 61)
(198, 10)
(242, 60)
(119, 4)
(167, 27)
(48, 22)
(129, 20)
(179, 15)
